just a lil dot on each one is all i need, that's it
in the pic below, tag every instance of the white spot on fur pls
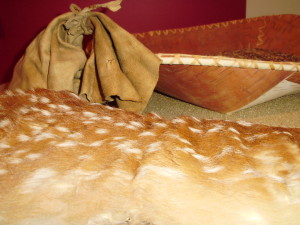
(133, 150)
(254, 217)
(85, 174)
(4, 123)
(194, 118)
(45, 112)
(249, 171)
(213, 169)
(96, 144)
(61, 187)
(109, 107)
(62, 129)
(33, 98)
(163, 171)
(120, 124)
(3, 171)
(287, 133)
(19, 91)
(118, 138)
(23, 137)
(233, 130)
(95, 118)
(269, 157)
(276, 178)
(51, 120)
(255, 137)
(44, 100)
(3, 145)
(295, 176)
(108, 118)
(256, 173)
(65, 107)
(153, 147)
(15, 161)
(194, 130)
(34, 109)
(88, 122)
(176, 136)
(237, 138)
(70, 112)
(33, 156)
(184, 141)
(225, 151)
(128, 147)
(44, 136)
(36, 128)
(37, 179)
(53, 106)
(20, 152)
(244, 123)
(101, 131)
(186, 150)
(155, 115)
(74, 95)
(75, 135)
(146, 133)
(244, 146)
(131, 127)
(202, 158)
(24, 110)
(160, 124)
(178, 120)
(215, 129)
(85, 157)
(67, 144)
(9, 92)
(137, 124)
(89, 114)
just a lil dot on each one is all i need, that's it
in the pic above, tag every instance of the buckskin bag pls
(118, 68)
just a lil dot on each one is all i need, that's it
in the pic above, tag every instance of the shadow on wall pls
(11, 54)
(1, 31)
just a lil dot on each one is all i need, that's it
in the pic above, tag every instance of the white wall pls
(272, 7)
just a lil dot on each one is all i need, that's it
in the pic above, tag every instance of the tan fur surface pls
(64, 161)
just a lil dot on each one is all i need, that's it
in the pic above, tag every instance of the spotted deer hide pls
(66, 161)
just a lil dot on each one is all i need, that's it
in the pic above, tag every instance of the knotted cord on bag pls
(78, 24)
(113, 6)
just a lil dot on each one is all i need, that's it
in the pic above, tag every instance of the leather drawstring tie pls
(78, 24)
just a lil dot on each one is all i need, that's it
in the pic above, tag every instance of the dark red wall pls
(21, 20)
